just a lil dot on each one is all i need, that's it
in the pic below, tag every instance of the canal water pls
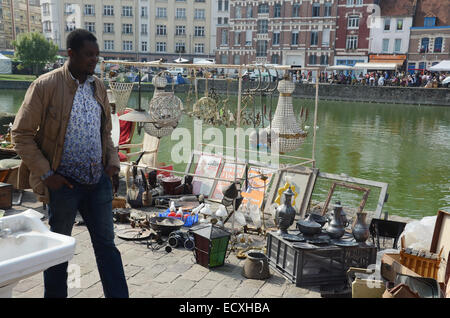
(406, 146)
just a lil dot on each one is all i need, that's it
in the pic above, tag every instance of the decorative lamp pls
(165, 110)
(211, 243)
(286, 133)
(229, 194)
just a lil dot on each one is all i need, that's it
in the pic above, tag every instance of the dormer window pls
(429, 22)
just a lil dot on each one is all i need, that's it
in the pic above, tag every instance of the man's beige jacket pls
(40, 127)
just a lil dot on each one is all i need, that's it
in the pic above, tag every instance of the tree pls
(34, 50)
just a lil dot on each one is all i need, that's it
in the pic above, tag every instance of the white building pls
(391, 35)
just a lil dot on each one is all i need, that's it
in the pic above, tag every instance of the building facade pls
(139, 30)
(296, 32)
(220, 16)
(17, 17)
(430, 35)
(354, 21)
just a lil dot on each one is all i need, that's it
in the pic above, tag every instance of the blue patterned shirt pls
(82, 152)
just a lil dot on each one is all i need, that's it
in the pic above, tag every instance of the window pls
(109, 45)
(199, 31)
(127, 45)
(296, 10)
(438, 45)
(108, 27)
(424, 45)
(352, 42)
(47, 26)
(144, 29)
(144, 46)
(180, 47)
(399, 24)
(127, 28)
(350, 2)
(236, 59)
(277, 11)
(411, 67)
(326, 37)
(219, 20)
(249, 12)
(276, 38)
(237, 38)
(263, 8)
(314, 37)
(312, 59)
(238, 12)
(353, 22)
(108, 10)
(324, 60)
(45, 9)
(224, 59)
(316, 9)
(70, 26)
(127, 11)
(261, 48)
(385, 45)
(161, 12)
(327, 9)
(68, 8)
(160, 46)
(89, 9)
(225, 20)
(397, 45)
(90, 26)
(359, 2)
(161, 29)
(263, 26)
(144, 12)
(199, 48)
(219, 5)
(180, 13)
(224, 38)
(275, 59)
(422, 66)
(294, 38)
(429, 22)
(225, 5)
(180, 30)
(199, 14)
(387, 24)
(248, 37)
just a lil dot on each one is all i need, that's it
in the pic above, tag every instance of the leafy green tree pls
(34, 50)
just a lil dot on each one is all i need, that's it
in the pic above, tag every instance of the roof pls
(209, 231)
(432, 8)
(397, 8)
(441, 66)
(377, 66)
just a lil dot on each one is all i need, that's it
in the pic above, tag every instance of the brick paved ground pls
(160, 274)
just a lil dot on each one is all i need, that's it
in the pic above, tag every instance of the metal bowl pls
(165, 225)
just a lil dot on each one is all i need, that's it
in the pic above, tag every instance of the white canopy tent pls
(181, 60)
(377, 66)
(442, 66)
(340, 68)
(5, 65)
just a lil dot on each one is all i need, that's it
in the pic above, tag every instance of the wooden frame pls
(441, 241)
(310, 174)
(219, 174)
(382, 185)
(349, 186)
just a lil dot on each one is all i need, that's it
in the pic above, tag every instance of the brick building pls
(296, 32)
(354, 20)
(430, 35)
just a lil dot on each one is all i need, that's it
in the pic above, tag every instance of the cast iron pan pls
(165, 225)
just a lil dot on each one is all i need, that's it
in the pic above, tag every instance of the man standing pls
(62, 132)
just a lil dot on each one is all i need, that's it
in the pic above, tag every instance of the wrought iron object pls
(361, 229)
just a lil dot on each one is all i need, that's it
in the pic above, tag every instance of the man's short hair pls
(76, 38)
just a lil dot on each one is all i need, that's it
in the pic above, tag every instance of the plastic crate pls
(189, 221)
(326, 265)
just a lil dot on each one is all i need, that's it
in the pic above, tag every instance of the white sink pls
(27, 247)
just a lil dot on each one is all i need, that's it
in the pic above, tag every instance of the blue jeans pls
(94, 202)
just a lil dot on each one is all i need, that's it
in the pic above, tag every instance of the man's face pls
(86, 58)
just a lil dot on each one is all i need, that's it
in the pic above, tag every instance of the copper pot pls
(170, 183)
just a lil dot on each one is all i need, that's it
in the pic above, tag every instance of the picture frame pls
(208, 165)
(348, 186)
(303, 178)
(226, 171)
(441, 240)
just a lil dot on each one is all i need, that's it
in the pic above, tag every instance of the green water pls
(406, 146)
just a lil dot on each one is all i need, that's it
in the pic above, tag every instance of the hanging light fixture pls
(165, 110)
(286, 134)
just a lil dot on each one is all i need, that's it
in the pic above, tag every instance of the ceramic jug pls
(256, 266)
(336, 228)
(361, 230)
(285, 213)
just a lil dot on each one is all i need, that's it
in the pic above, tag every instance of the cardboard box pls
(391, 266)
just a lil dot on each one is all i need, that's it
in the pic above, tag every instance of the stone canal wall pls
(386, 94)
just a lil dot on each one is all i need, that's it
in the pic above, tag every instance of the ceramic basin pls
(28, 247)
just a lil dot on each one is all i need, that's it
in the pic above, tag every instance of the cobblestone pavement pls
(158, 273)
